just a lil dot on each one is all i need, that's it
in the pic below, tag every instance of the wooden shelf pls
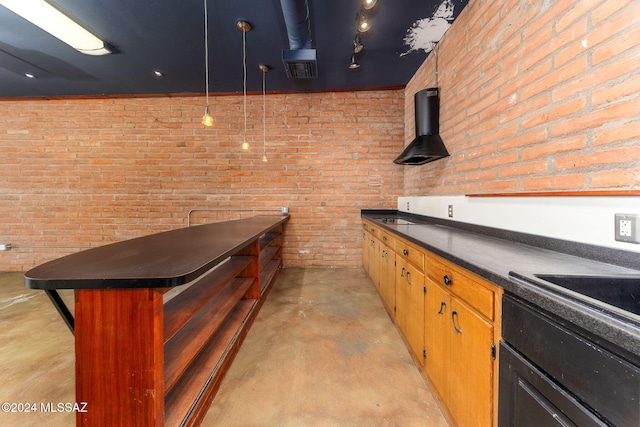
(267, 254)
(205, 326)
(586, 193)
(184, 399)
(182, 349)
(268, 238)
(180, 309)
(268, 274)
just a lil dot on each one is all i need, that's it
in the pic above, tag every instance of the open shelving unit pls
(153, 348)
(205, 325)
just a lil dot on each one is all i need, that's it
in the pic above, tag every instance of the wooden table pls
(158, 319)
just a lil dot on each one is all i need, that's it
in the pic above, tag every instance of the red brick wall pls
(534, 96)
(91, 172)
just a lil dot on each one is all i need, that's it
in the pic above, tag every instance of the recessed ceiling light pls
(30, 76)
(158, 73)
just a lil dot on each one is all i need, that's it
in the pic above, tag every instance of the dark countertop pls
(478, 250)
(166, 259)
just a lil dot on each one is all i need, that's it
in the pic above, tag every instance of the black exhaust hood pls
(427, 146)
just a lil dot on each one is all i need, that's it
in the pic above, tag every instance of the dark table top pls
(166, 259)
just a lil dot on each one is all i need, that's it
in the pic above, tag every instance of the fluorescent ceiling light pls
(50, 19)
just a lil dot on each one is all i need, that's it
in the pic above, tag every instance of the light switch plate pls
(626, 228)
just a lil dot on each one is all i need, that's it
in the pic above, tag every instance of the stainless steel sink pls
(619, 291)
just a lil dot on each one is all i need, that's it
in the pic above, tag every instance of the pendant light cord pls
(264, 113)
(244, 79)
(206, 51)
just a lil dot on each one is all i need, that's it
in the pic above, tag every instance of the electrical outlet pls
(408, 207)
(450, 211)
(627, 229)
(5, 246)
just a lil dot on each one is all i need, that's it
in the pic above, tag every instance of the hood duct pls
(427, 146)
(300, 60)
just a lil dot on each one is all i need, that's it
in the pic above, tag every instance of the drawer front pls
(388, 239)
(463, 286)
(410, 253)
(369, 227)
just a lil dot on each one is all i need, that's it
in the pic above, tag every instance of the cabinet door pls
(365, 251)
(374, 261)
(471, 382)
(388, 278)
(437, 333)
(410, 305)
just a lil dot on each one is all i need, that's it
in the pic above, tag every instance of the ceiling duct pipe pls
(427, 145)
(300, 60)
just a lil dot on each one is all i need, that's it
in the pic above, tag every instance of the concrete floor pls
(322, 352)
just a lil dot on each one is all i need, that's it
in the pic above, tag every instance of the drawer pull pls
(447, 280)
(405, 252)
(409, 277)
(454, 316)
(384, 238)
(443, 305)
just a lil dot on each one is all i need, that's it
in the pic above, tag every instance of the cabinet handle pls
(405, 252)
(454, 315)
(402, 272)
(409, 277)
(443, 305)
(447, 280)
(384, 238)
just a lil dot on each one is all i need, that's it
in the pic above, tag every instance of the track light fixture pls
(369, 4)
(357, 44)
(354, 62)
(363, 22)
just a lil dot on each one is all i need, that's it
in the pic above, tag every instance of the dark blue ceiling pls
(168, 35)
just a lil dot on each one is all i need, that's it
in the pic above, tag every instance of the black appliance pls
(427, 146)
(552, 374)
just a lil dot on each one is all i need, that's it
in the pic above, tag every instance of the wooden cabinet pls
(378, 259)
(366, 243)
(449, 319)
(437, 337)
(387, 276)
(461, 333)
(410, 288)
(371, 253)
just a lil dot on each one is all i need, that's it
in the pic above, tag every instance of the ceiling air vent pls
(300, 63)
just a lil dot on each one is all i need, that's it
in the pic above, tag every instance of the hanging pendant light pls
(244, 27)
(264, 69)
(207, 119)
